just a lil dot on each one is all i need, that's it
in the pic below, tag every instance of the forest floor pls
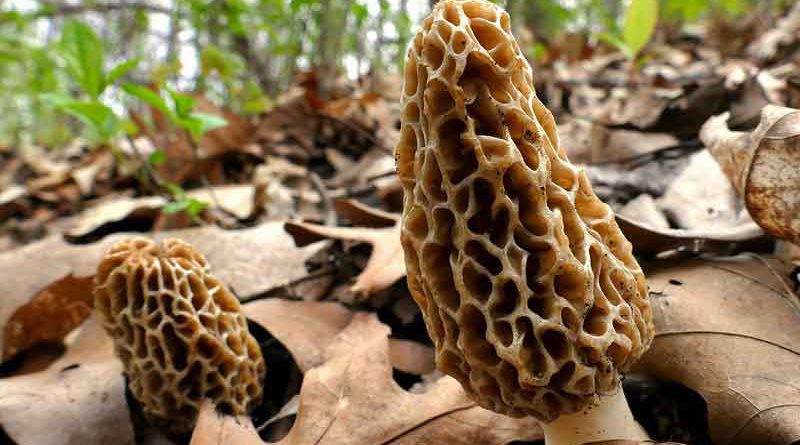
(302, 224)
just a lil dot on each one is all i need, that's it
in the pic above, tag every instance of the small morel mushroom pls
(529, 289)
(180, 334)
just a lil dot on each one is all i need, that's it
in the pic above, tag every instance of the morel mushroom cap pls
(528, 287)
(179, 333)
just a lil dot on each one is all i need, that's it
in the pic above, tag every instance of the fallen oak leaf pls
(386, 264)
(726, 329)
(80, 398)
(763, 166)
(340, 398)
(321, 322)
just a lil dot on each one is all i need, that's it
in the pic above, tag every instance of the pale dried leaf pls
(80, 398)
(643, 209)
(701, 198)
(727, 329)
(306, 328)
(115, 211)
(238, 200)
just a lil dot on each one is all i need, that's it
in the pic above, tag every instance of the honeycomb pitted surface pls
(179, 332)
(529, 289)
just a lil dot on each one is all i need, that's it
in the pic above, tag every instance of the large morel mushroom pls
(180, 334)
(529, 289)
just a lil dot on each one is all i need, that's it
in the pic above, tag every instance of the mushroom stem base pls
(607, 418)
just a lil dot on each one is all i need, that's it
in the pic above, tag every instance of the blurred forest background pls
(242, 54)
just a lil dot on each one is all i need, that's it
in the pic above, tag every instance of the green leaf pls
(121, 69)
(175, 207)
(157, 158)
(194, 207)
(199, 123)
(183, 103)
(175, 190)
(639, 24)
(82, 52)
(151, 98)
(191, 206)
(99, 118)
(617, 42)
(686, 10)
(360, 12)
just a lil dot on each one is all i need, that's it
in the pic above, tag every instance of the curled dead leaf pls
(763, 166)
(648, 241)
(386, 264)
(729, 330)
(63, 305)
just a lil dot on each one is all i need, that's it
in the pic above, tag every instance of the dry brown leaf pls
(386, 264)
(250, 261)
(306, 328)
(784, 33)
(590, 142)
(411, 357)
(352, 399)
(115, 211)
(79, 399)
(763, 166)
(50, 315)
(727, 329)
(648, 241)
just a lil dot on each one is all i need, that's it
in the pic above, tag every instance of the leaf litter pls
(697, 152)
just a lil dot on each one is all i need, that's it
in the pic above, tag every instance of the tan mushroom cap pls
(180, 334)
(528, 287)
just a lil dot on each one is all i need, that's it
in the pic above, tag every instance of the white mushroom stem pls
(609, 418)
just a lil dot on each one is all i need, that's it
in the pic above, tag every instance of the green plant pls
(179, 109)
(638, 26)
(81, 54)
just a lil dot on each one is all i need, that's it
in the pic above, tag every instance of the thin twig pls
(372, 139)
(152, 176)
(327, 202)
